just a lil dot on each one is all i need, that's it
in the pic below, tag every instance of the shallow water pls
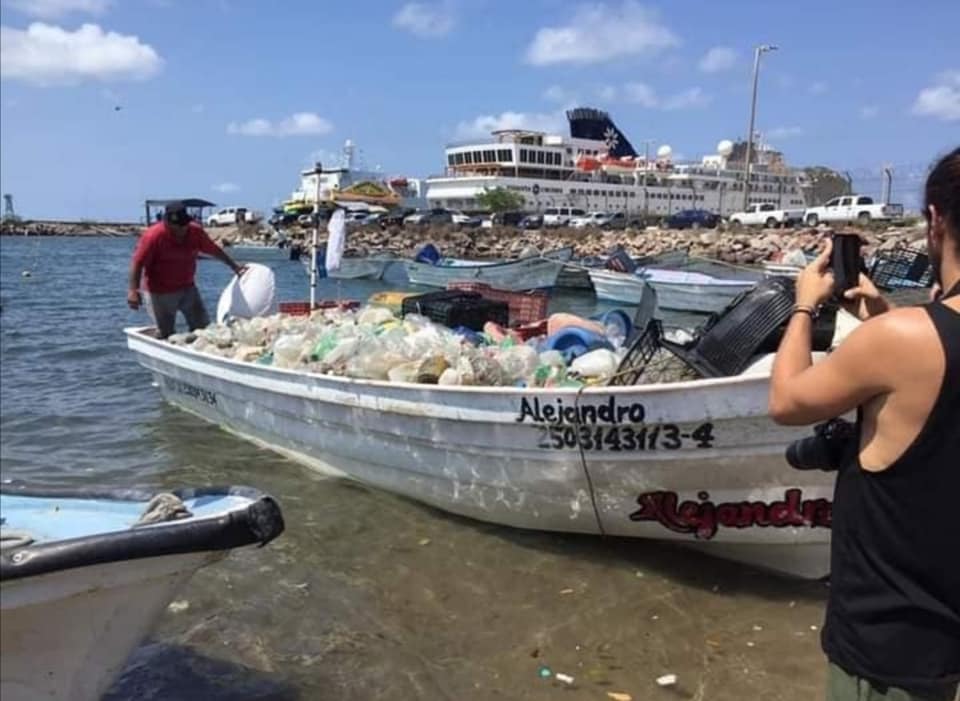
(366, 595)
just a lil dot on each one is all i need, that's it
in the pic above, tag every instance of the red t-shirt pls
(170, 265)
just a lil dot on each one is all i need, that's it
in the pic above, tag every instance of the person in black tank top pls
(892, 626)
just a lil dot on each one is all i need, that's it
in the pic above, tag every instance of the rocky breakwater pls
(25, 227)
(744, 247)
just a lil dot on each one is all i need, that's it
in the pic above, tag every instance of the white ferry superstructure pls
(596, 168)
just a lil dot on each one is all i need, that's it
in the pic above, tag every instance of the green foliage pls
(827, 184)
(500, 199)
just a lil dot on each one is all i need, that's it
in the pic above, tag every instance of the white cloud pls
(481, 126)
(555, 93)
(299, 124)
(717, 59)
(645, 96)
(45, 54)
(784, 132)
(226, 187)
(425, 20)
(869, 111)
(817, 88)
(607, 93)
(941, 100)
(641, 94)
(687, 99)
(598, 33)
(52, 9)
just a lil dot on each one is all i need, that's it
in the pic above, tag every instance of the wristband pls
(804, 309)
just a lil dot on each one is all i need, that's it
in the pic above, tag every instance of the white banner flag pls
(336, 239)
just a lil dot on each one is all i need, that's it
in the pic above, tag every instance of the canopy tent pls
(194, 205)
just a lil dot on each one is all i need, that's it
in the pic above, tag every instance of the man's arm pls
(210, 247)
(133, 285)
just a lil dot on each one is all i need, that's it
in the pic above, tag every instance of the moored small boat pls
(679, 290)
(528, 273)
(358, 268)
(85, 575)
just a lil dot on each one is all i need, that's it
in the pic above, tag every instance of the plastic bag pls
(374, 316)
(598, 364)
(287, 350)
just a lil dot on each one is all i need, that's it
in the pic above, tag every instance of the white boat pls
(365, 268)
(534, 272)
(679, 290)
(81, 585)
(698, 463)
(771, 269)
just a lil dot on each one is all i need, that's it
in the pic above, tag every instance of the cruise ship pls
(596, 168)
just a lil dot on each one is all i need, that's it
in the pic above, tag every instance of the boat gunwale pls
(139, 334)
(260, 521)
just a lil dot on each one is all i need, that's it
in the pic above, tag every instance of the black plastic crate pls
(639, 355)
(901, 266)
(413, 304)
(725, 345)
(455, 308)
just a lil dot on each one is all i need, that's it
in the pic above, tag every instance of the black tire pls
(772, 223)
(812, 220)
(863, 219)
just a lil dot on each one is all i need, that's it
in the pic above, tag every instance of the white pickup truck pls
(852, 208)
(766, 214)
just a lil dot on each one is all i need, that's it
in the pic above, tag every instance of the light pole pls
(760, 50)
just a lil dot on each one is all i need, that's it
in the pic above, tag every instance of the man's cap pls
(176, 213)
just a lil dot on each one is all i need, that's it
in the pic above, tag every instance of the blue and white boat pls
(85, 575)
(679, 290)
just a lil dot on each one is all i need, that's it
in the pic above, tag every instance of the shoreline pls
(744, 246)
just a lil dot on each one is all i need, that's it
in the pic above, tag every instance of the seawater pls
(366, 595)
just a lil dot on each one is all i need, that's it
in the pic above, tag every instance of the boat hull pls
(574, 277)
(67, 634)
(626, 464)
(523, 274)
(688, 297)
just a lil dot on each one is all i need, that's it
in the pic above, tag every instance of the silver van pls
(560, 216)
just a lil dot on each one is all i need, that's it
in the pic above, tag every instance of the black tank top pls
(894, 610)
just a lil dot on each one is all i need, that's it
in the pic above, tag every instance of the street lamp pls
(760, 50)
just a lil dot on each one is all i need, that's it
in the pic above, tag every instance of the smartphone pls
(845, 262)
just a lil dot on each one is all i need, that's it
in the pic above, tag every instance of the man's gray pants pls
(164, 307)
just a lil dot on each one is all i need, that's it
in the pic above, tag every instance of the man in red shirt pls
(167, 253)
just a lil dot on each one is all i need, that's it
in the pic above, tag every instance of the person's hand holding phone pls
(815, 283)
(864, 300)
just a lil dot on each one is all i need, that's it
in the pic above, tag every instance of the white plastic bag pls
(252, 294)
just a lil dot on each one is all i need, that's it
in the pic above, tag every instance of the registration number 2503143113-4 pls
(625, 438)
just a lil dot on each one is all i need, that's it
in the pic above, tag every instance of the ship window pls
(523, 155)
(540, 155)
(489, 157)
(504, 155)
(450, 159)
(478, 157)
(468, 157)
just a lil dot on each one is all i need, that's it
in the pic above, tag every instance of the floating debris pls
(178, 606)
(619, 696)
(545, 672)
(667, 680)
(565, 678)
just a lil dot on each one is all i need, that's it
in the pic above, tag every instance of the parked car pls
(465, 220)
(852, 208)
(425, 217)
(613, 220)
(692, 219)
(590, 219)
(766, 214)
(507, 218)
(560, 216)
(532, 221)
(228, 216)
(396, 216)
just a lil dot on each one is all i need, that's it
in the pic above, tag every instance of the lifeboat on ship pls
(609, 164)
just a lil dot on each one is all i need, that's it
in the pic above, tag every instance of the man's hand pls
(133, 299)
(865, 301)
(815, 282)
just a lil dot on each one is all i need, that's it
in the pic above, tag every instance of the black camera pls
(826, 449)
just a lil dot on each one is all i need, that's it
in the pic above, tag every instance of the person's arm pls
(804, 393)
(138, 261)
(210, 247)
(865, 301)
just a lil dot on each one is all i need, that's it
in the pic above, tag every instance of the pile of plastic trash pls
(372, 343)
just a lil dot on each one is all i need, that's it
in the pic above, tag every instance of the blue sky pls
(229, 99)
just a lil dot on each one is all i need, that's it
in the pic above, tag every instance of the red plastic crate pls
(525, 307)
(303, 308)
